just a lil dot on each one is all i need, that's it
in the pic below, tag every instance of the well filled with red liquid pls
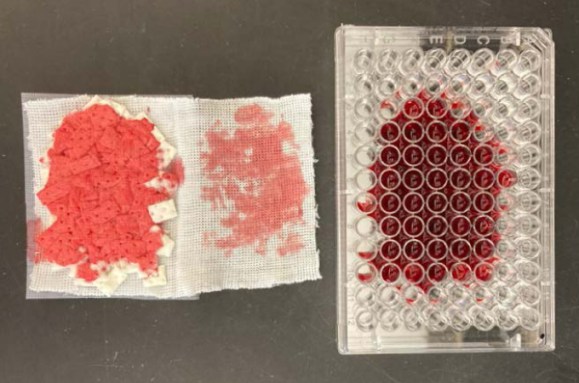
(437, 181)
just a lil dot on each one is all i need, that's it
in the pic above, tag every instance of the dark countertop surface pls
(221, 49)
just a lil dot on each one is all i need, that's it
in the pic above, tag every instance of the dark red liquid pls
(460, 225)
(437, 272)
(436, 131)
(483, 202)
(413, 131)
(390, 226)
(434, 228)
(390, 203)
(437, 249)
(484, 225)
(460, 178)
(390, 179)
(413, 203)
(483, 179)
(390, 132)
(436, 155)
(436, 178)
(460, 202)
(484, 249)
(437, 108)
(414, 272)
(437, 226)
(460, 155)
(390, 250)
(483, 272)
(413, 179)
(413, 108)
(367, 255)
(460, 131)
(390, 273)
(437, 203)
(390, 155)
(506, 178)
(413, 250)
(366, 203)
(461, 272)
(483, 155)
(413, 155)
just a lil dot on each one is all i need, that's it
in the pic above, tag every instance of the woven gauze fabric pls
(172, 115)
(246, 209)
(255, 212)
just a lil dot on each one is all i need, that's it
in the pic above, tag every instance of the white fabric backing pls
(244, 268)
(195, 265)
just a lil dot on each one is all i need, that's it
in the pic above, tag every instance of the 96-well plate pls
(445, 189)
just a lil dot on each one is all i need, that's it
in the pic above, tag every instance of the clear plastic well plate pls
(445, 175)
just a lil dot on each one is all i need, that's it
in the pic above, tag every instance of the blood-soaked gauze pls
(110, 180)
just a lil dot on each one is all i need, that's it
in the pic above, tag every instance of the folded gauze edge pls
(111, 276)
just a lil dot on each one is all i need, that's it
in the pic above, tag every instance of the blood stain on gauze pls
(107, 189)
(255, 175)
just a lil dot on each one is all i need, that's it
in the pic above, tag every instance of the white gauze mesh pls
(204, 259)
(242, 266)
(172, 115)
